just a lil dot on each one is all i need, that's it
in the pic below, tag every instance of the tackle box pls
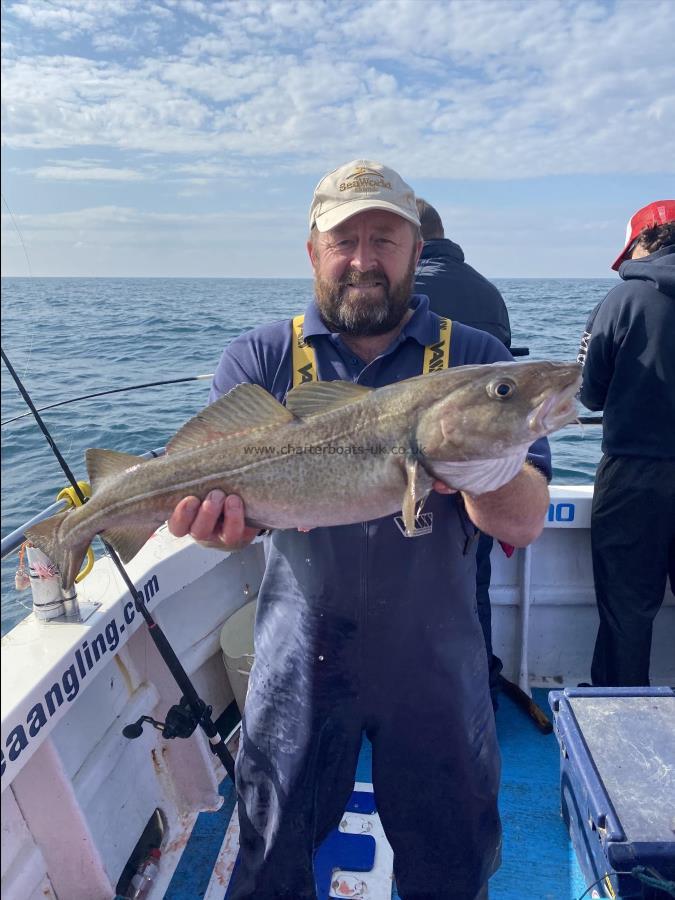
(617, 787)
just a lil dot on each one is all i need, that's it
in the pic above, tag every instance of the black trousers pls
(483, 576)
(633, 547)
(398, 655)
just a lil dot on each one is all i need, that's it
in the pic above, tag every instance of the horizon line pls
(275, 277)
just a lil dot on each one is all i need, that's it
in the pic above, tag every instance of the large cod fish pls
(335, 454)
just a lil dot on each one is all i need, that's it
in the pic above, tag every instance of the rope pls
(647, 876)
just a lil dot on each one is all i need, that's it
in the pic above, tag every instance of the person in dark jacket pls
(628, 351)
(459, 292)
(454, 288)
(359, 628)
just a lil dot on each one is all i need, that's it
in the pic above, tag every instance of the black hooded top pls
(629, 350)
(457, 291)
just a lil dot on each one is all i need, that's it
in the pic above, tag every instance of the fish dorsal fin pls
(245, 407)
(104, 464)
(314, 397)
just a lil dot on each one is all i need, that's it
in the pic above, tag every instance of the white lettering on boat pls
(91, 654)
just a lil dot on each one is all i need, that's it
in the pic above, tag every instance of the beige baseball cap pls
(357, 186)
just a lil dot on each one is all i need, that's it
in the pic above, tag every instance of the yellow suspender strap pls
(304, 361)
(436, 356)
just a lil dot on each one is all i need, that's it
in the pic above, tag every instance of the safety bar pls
(17, 537)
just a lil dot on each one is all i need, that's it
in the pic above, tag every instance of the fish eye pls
(501, 389)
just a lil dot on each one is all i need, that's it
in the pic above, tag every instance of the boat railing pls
(15, 539)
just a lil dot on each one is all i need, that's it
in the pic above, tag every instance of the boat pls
(91, 780)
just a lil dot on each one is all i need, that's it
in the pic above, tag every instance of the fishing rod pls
(184, 717)
(130, 387)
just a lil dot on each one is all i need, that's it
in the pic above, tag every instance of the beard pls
(361, 313)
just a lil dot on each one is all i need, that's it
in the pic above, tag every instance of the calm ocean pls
(67, 337)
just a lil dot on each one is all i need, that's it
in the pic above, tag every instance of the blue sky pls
(184, 138)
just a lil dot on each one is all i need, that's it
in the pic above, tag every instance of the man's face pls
(364, 271)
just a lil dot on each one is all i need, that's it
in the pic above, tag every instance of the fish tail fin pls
(65, 555)
(104, 466)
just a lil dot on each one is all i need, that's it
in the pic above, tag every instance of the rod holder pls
(49, 601)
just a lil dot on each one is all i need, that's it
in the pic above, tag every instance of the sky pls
(184, 138)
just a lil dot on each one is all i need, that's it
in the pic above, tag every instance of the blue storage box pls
(617, 786)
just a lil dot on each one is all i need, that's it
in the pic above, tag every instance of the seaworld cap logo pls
(364, 180)
(357, 186)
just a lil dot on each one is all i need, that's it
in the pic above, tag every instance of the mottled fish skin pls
(337, 454)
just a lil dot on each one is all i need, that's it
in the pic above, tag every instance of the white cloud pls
(125, 241)
(496, 89)
(199, 110)
(85, 170)
(104, 218)
(71, 17)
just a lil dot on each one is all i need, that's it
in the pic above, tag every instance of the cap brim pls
(620, 258)
(349, 208)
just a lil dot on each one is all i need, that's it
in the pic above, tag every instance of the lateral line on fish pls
(117, 506)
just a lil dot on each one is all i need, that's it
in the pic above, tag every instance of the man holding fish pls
(374, 438)
(371, 627)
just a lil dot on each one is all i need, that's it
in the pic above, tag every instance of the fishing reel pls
(181, 721)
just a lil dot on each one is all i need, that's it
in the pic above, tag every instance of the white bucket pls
(236, 642)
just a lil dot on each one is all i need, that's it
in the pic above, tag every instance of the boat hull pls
(77, 794)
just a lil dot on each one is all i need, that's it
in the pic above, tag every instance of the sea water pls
(67, 337)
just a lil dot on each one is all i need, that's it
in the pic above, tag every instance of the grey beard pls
(363, 317)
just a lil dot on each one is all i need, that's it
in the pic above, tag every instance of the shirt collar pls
(423, 326)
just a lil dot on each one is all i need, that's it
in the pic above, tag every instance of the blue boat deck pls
(538, 860)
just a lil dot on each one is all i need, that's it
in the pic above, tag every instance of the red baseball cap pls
(658, 213)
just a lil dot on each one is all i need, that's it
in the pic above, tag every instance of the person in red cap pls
(628, 352)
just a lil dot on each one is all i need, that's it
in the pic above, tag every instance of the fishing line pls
(16, 227)
(30, 274)
(43, 428)
(200, 713)
(131, 387)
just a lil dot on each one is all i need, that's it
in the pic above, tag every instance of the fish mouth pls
(558, 409)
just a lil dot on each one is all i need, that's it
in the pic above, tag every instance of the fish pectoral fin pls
(104, 464)
(128, 539)
(245, 407)
(314, 397)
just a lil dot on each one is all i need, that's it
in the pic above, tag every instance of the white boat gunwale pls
(79, 752)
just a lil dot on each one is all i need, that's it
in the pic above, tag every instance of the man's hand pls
(442, 488)
(218, 521)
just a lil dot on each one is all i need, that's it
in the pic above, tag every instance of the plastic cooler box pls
(617, 786)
